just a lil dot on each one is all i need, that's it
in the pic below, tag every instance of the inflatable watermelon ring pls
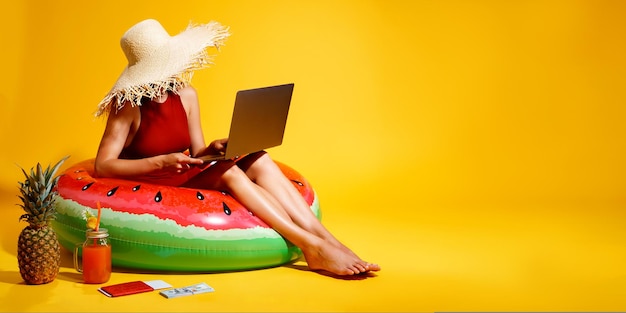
(167, 228)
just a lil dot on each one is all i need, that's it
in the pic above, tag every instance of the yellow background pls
(475, 149)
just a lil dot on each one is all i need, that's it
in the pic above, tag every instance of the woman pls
(153, 134)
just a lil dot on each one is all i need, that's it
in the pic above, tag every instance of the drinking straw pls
(98, 219)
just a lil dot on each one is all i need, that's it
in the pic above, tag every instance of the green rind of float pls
(164, 245)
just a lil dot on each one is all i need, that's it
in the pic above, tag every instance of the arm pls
(115, 137)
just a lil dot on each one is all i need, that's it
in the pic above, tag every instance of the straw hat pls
(158, 62)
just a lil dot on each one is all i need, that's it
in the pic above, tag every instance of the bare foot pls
(369, 266)
(329, 257)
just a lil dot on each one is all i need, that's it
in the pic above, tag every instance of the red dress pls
(163, 129)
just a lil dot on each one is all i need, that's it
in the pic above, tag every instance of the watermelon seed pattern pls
(112, 191)
(226, 208)
(87, 186)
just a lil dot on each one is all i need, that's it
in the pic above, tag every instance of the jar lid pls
(100, 233)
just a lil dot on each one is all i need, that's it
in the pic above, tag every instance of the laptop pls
(258, 121)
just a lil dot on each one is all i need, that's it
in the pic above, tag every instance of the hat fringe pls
(134, 94)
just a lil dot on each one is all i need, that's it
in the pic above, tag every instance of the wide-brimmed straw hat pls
(158, 62)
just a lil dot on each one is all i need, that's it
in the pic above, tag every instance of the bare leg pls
(318, 251)
(263, 171)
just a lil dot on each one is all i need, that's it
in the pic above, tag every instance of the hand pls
(178, 162)
(218, 146)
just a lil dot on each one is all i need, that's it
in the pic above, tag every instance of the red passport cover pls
(128, 288)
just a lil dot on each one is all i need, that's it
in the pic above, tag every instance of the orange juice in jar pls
(95, 263)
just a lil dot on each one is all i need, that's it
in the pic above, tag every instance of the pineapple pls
(38, 249)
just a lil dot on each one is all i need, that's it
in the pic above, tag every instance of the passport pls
(132, 287)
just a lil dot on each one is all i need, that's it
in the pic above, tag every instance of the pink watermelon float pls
(157, 227)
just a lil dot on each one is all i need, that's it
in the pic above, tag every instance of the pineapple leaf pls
(41, 176)
(38, 193)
